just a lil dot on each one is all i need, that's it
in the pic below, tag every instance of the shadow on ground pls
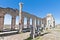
(36, 37)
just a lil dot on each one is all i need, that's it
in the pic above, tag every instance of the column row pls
(13, 22)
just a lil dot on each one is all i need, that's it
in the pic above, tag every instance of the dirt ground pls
(21, 36)
(53, 35)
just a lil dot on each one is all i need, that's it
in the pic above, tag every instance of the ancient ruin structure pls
(37, 22)
(12, 12)
(46, 22)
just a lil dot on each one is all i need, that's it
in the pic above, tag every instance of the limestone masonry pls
(47, 22)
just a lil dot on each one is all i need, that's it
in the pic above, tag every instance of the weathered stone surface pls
(28, 22)
(13, 23)
(43, 22)
(1, 23)
(12, 12)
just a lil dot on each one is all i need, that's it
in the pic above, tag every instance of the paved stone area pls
(21, 36)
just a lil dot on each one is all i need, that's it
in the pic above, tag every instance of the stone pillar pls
(39, 27)
(36, 23)
(54, 24)
(21, 18)
(1, 22)
(41, 23)
(21, 24)
(28, 22)
(13, 22)
(33, 29)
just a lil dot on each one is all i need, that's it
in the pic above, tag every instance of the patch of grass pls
(37, 38)
(29, 38)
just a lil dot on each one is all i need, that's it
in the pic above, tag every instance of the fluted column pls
(1, 22)
(13, 22)
(28, 22)
(33, 29)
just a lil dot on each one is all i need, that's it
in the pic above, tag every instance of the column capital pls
(20, 4)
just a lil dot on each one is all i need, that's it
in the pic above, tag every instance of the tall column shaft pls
(21, 5)
(28, 22)
(21, 18)
(1, 22)
(13, 22)
(21, 24)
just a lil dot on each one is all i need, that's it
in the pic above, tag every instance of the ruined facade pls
(46, 22)
(37, 22)
(12, 12)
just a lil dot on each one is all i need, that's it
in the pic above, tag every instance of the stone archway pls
(7, 22)
(12, 12)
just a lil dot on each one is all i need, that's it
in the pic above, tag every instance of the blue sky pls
(39, 8)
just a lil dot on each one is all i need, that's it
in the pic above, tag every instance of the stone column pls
(28, 22)
(54, 24)
(1, 22)
(21, 18)
(41, 23)
(13, 22)
(33, 29)
(36, 23)
(21, 24)
(39, 27)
